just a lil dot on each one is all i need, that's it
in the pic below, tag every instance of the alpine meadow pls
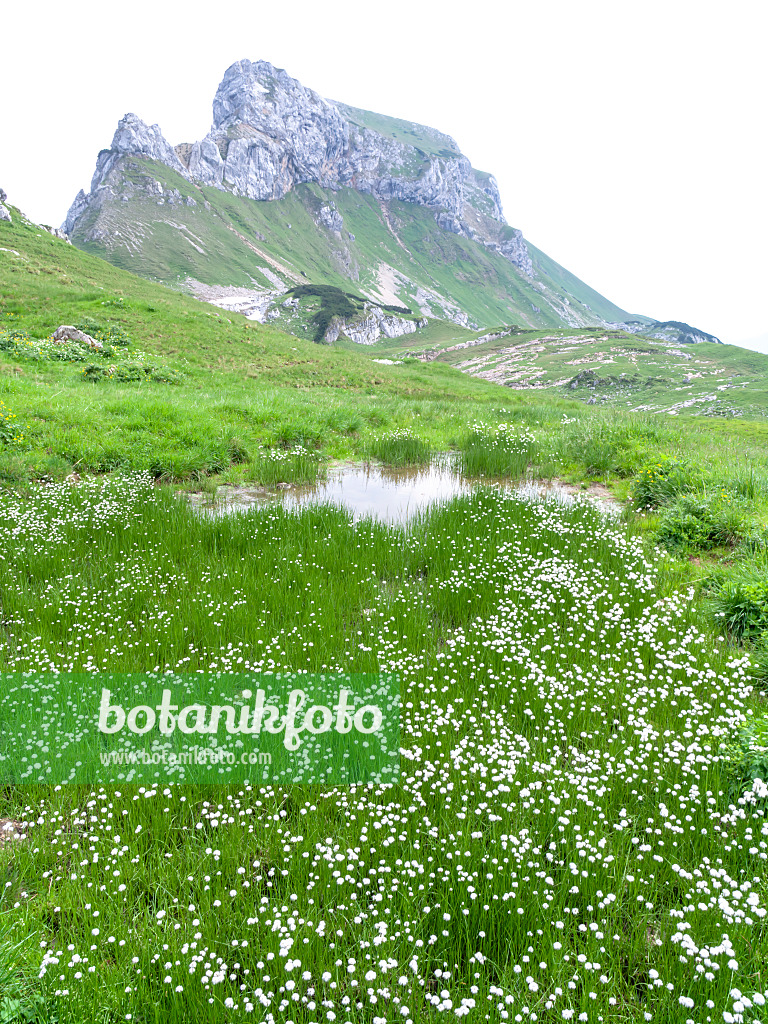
(294, 404)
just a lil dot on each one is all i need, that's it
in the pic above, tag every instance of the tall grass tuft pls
(703, 521)
(399, 448)
(499, 453)
(740, 602)
(615, 445)
(661, 480)
(295, 465)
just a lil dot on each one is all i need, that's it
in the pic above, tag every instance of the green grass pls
(501, 453)
(630, 373)
(399, 448)
(428, 140)
(530, 704)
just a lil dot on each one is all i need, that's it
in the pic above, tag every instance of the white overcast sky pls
(628, 138)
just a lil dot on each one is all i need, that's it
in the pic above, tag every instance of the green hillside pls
(392, 252)
(571, 288)
(427, 140)
(216, 393)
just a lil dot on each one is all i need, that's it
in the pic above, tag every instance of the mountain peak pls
(391, 206)
(270, 133)
(251, 90)
(132, 136)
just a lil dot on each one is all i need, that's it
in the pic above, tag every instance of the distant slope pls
(615, 368)
(570, 288)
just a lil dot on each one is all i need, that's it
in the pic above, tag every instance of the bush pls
(701, 522)
(129, 373)
(11, 338)
(108, 334)
(399, 448)
(22, 346)
(745, 760)
(740, 602)
(660, 481)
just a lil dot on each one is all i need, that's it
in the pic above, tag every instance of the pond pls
(390, 495)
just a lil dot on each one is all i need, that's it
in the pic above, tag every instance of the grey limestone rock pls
(68, 333)
(270, 133)
(4, 212)
(330, 218)
(134, 137)
(56, 232)
(375, 324)
(516, 251)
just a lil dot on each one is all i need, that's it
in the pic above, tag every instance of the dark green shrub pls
(701, 522)
(740, 602)
(10, 339)
(661, 480)
(127, 374)
(108, 333)
(745, 760)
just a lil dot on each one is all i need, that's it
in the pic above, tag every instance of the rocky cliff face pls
(270, 133)
(372, 327)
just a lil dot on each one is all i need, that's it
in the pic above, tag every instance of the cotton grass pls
(561, 845)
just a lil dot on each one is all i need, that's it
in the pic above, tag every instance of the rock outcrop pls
(4, 212)
(271, 133)
(669, 330)
(139, 139)
(371, 327)
(330, 218)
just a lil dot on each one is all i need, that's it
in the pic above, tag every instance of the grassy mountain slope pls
(242, 392)
(246, 389)
(428, 140)
(392, 252)
(571, 288)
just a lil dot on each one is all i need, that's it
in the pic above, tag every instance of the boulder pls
(4, 213)
(68, 333)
